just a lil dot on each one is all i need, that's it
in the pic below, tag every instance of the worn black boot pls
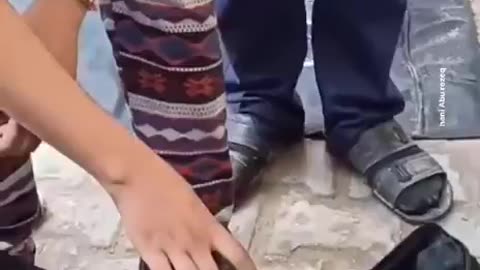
(429, 248)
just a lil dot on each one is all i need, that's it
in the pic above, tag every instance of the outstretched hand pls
(172, 229)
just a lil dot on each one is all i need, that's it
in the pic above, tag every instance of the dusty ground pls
(311, 213)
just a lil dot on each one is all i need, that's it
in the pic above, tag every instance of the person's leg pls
(265, 41)
(19, 210)
(170, 64)
(354, 44)
(266, 48)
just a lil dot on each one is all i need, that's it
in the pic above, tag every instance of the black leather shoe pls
(251, 151)
(248, 167)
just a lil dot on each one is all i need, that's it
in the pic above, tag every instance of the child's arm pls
(25, 64)
(61, 40)
(165, 220)
(57, 23)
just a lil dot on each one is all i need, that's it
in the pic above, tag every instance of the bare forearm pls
(38, 93)
(57, 23)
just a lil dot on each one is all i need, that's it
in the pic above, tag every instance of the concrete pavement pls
(311, 213)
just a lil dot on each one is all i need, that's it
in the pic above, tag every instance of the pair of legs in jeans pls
(170, 64)
(353, 47)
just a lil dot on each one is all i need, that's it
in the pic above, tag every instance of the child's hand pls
(172, 229)
(15, 140)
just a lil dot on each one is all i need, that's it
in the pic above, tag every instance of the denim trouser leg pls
(354, 43)
(353, 49)
(266, 44)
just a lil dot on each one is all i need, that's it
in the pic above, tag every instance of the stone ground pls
(311, 213)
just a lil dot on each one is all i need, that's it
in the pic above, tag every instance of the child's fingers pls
(231, 250)
(7, 137)
(204, 260)
(181, 260)
(157, 261)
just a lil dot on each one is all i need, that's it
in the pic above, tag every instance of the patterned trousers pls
(169, 61)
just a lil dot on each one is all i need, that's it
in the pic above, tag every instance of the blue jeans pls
(353, 45)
